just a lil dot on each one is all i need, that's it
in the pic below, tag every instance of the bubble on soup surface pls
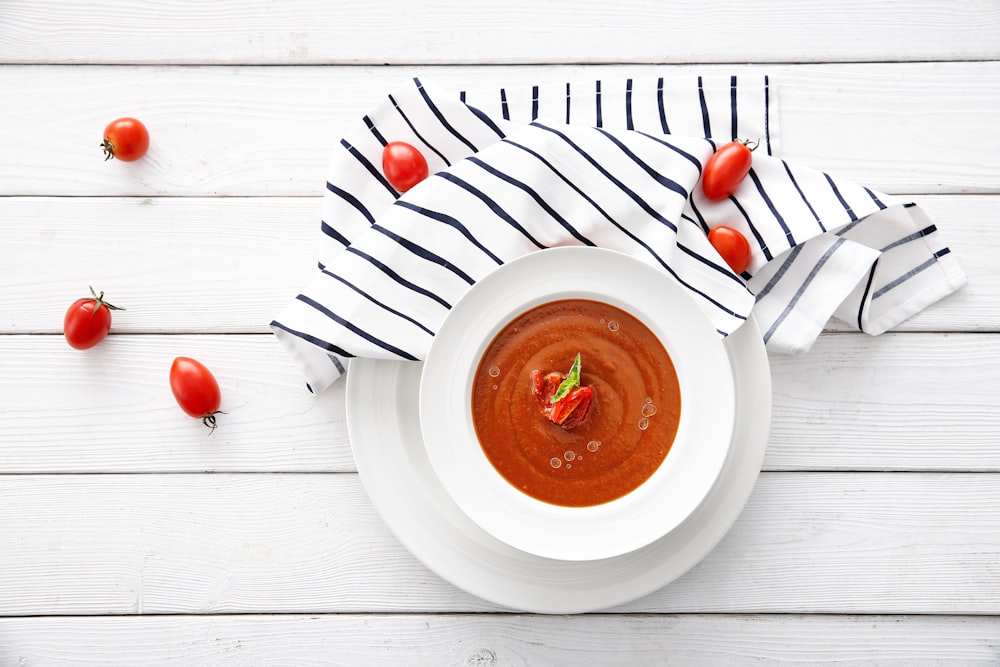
(593, 445)
(612, 326)
(569, 455)
(555, 462)
(643, 424)
(649, 400)
(648, 410)
(494, 371)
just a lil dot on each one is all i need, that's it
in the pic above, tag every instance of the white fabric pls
(610, 163)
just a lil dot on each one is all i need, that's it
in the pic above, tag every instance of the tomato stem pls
(109, 150)
(747, 142)
(209, 421)
(99, 301)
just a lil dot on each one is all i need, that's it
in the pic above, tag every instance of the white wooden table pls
(128, 536)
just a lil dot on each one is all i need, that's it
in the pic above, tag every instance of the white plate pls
(385, 436)
(703, 434)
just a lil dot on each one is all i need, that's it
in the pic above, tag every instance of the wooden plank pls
(270, 131)
(110, 409)
(257, 253)
(390, 31)
(177, 264)
(483, 640)
(894, 402)
(852, 403)
(209, 544)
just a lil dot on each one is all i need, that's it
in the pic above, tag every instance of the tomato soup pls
(633, 418)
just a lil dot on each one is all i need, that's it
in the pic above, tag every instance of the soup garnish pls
(563, 400)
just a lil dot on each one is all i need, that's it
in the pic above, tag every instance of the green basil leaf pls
(571, 382)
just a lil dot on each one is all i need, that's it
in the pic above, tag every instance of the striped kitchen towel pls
(615, 164)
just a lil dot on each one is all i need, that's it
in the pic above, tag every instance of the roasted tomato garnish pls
(562, 399)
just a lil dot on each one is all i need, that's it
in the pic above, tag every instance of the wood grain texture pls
(390, 31)
(852, 403)
(270, 131)
(254, 254)
(486, 640)
(111, 410)
(876, 543)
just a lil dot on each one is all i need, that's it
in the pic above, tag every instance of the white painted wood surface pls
(128, 536)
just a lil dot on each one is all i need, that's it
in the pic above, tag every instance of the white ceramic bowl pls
(669, 495)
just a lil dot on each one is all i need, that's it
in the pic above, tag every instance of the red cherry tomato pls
(126, 139)
(88, 321)
(403, 165)
(726, 169)
(733, 247)
(196, 390)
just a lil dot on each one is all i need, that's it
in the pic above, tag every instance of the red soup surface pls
(632, 421)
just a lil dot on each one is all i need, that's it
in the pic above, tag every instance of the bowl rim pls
(659, 504)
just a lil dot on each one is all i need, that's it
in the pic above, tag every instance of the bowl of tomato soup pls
(577, 404)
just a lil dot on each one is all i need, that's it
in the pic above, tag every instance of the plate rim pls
(458, 551)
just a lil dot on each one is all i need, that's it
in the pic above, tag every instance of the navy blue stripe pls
(461, 96)
(840, 198)
(942, 252)
(441, 119)
(504, 109)
(309, 338)
(534, 195)
(628, 105)
(416, 133)
(336, 363)
(930, 229)
(662, 109)
(771, 207)
(767, 113)
(723, 270)
(732, 104)
(632, 195)
(782, 270)
(684, 154)
(486, 120)
(568, 99)
(802, 288)
(424, 253)
(600, 112)
(753, 230)
(369, 166)
(706, 124)
(374, 130)
(333, 233)
(398, 278)
(352, 200)
(377, 302)
(701, 219)
(491, 204)
(668, 183)
(805, 201)
(355, 329)
(864, 296)
(534, 102)
(906, 276)
(451, 222)
(878, 202)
